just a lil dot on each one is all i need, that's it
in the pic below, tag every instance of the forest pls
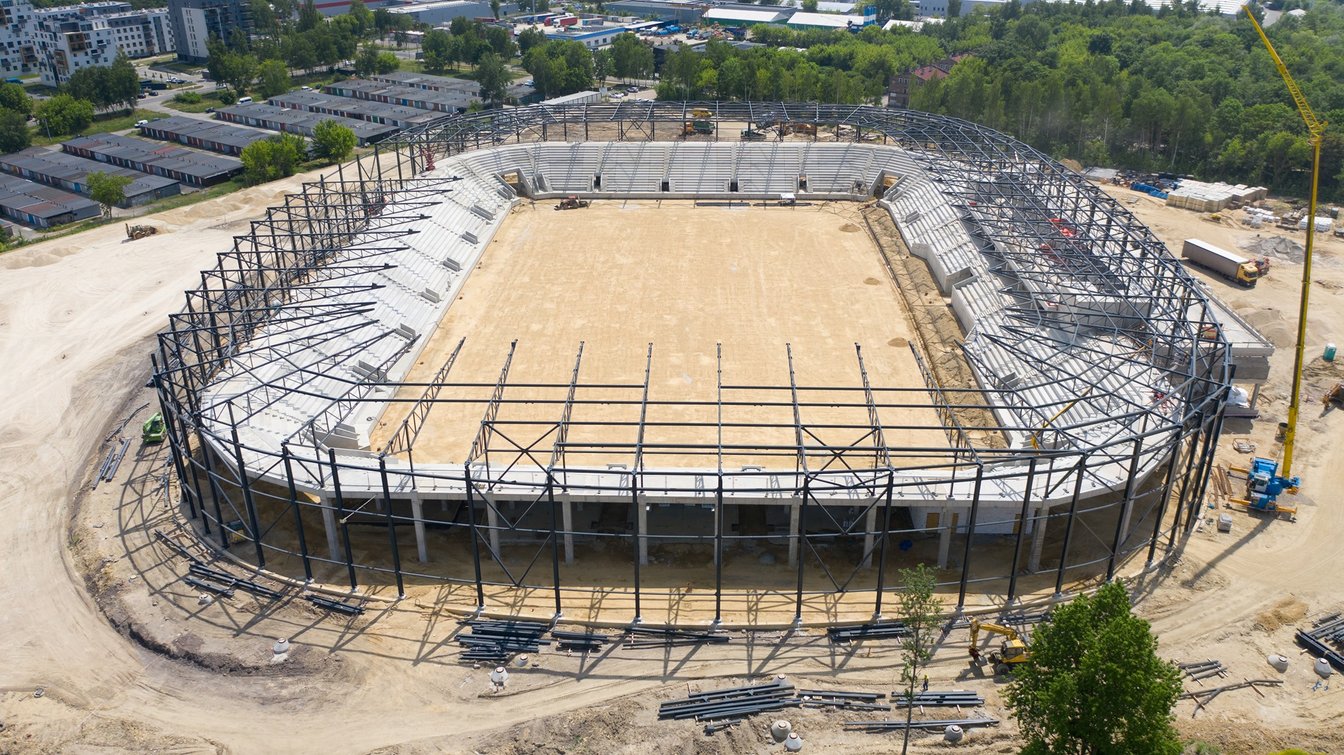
(1110, 83)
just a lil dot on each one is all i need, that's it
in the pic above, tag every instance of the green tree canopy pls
(272, 78)
(1094, 682)
(14, 134)
(493, 76)
(63, 114)
(560, 67)
(107, 189)
(333, 141)
(15, 97)
(269, 159)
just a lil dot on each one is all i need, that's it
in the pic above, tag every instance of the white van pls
(244, 100)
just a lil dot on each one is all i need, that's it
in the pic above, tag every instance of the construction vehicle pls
(154, 430)
(1264, 485)
(134, 232)
(1012, 652)
(571, 202)
(1233, 267)
(809, 129)
(701, 113)
(752, 136)
(691, 128)
(1334, 396)
(1316, 135)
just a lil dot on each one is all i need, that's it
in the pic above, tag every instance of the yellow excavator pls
(1012, 652)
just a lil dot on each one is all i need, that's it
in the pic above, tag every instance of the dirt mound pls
(1287, 611)
(1277, 247)
(1272, 324)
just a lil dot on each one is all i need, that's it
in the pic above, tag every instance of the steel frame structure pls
(1072, 260)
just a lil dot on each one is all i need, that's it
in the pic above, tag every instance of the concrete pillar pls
(1125, 513)
(870, 524)
(1037, 539)
(795, 522)
(567, 523)
(333, 533)
(492, 520)
(944, 536)
(418, 514)
(642, 511)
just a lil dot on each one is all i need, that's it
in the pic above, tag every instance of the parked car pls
(141, 122)
(616, 95)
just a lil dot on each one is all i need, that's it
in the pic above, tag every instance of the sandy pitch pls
(621, 275)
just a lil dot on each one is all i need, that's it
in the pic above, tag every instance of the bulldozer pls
(1012, 652)
(571, 203)
(134, 232)
(154, 430)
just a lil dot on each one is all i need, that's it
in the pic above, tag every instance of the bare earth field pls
(619, 276)
(126, 658)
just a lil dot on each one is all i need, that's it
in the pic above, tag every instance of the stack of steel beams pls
(1019, 619)
(228, 580)
(645, 638)
(335, 605)
(817, 698)
(879, 726)
(878, 630)
(1325, 640)
(732, 704)
(496, 641)
(579, 642)
(938, 699)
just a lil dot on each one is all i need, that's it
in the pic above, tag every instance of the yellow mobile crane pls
(1012, 652)
(1315, 128)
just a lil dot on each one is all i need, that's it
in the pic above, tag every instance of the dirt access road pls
(75, 319)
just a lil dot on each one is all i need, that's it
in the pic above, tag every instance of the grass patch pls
(39, 89)
(178, 67)
(210, 100)
(101, 125)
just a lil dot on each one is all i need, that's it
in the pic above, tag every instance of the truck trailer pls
(1234, 267)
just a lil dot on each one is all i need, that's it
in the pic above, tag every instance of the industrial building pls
(70, 173)
(592, 37)
(428, 82)
(436, 12)
(682, 11)
(56, 42)
(215, 137)
(196, 21)
(301, 122)
(439, 101)
(193, 168)
(42, 206)
(802, 20)
(363, 110)
(742, 17)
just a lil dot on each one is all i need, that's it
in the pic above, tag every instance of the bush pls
(63, 114)
(187, 98)
(14, 134)
(226, 96)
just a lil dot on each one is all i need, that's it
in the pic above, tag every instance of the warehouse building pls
(741, 17)
(439, 101)
(193, 168)
(680, 11)
(362, 110)
(223, 138)
(42, 206)
(70, 173)
(301, 122)
(428, 82)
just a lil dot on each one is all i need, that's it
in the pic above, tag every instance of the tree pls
(63, 114)
(269, 159)
(560, 67)
(386, 63)
(333, 141)
(493, 76)
(14, 134)
(494, 8)
(436, 45)
(809, 6)
(14, 97)
(529, 38)
(919, 610)
(1094, 683)
(367, 60)
(630, 58)
(602, 66)
(362, 17)
(123, 83)
(272, 78)
(107, 189)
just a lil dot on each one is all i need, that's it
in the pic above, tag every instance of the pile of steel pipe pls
(646, 638)
(732, 704)
(938, 699)
(108, 469)
(330, 604)
(1203, 697)
(1019, 619)
(1197, 670)
(880, 630)
(876, 726)
(579, 642)
(815, 698)
(228, 580)
(220, 590)
(498, 640)
(1325, 632)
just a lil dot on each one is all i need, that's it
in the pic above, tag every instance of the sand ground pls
(621, 276)
(126, 658)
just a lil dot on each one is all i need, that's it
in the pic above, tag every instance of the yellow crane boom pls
(1315, 127)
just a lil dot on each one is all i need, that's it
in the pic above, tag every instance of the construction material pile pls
(1325, 640)
(879, 630)
(938, 699)
(648, 638)
(733, 704)
(497, 641)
